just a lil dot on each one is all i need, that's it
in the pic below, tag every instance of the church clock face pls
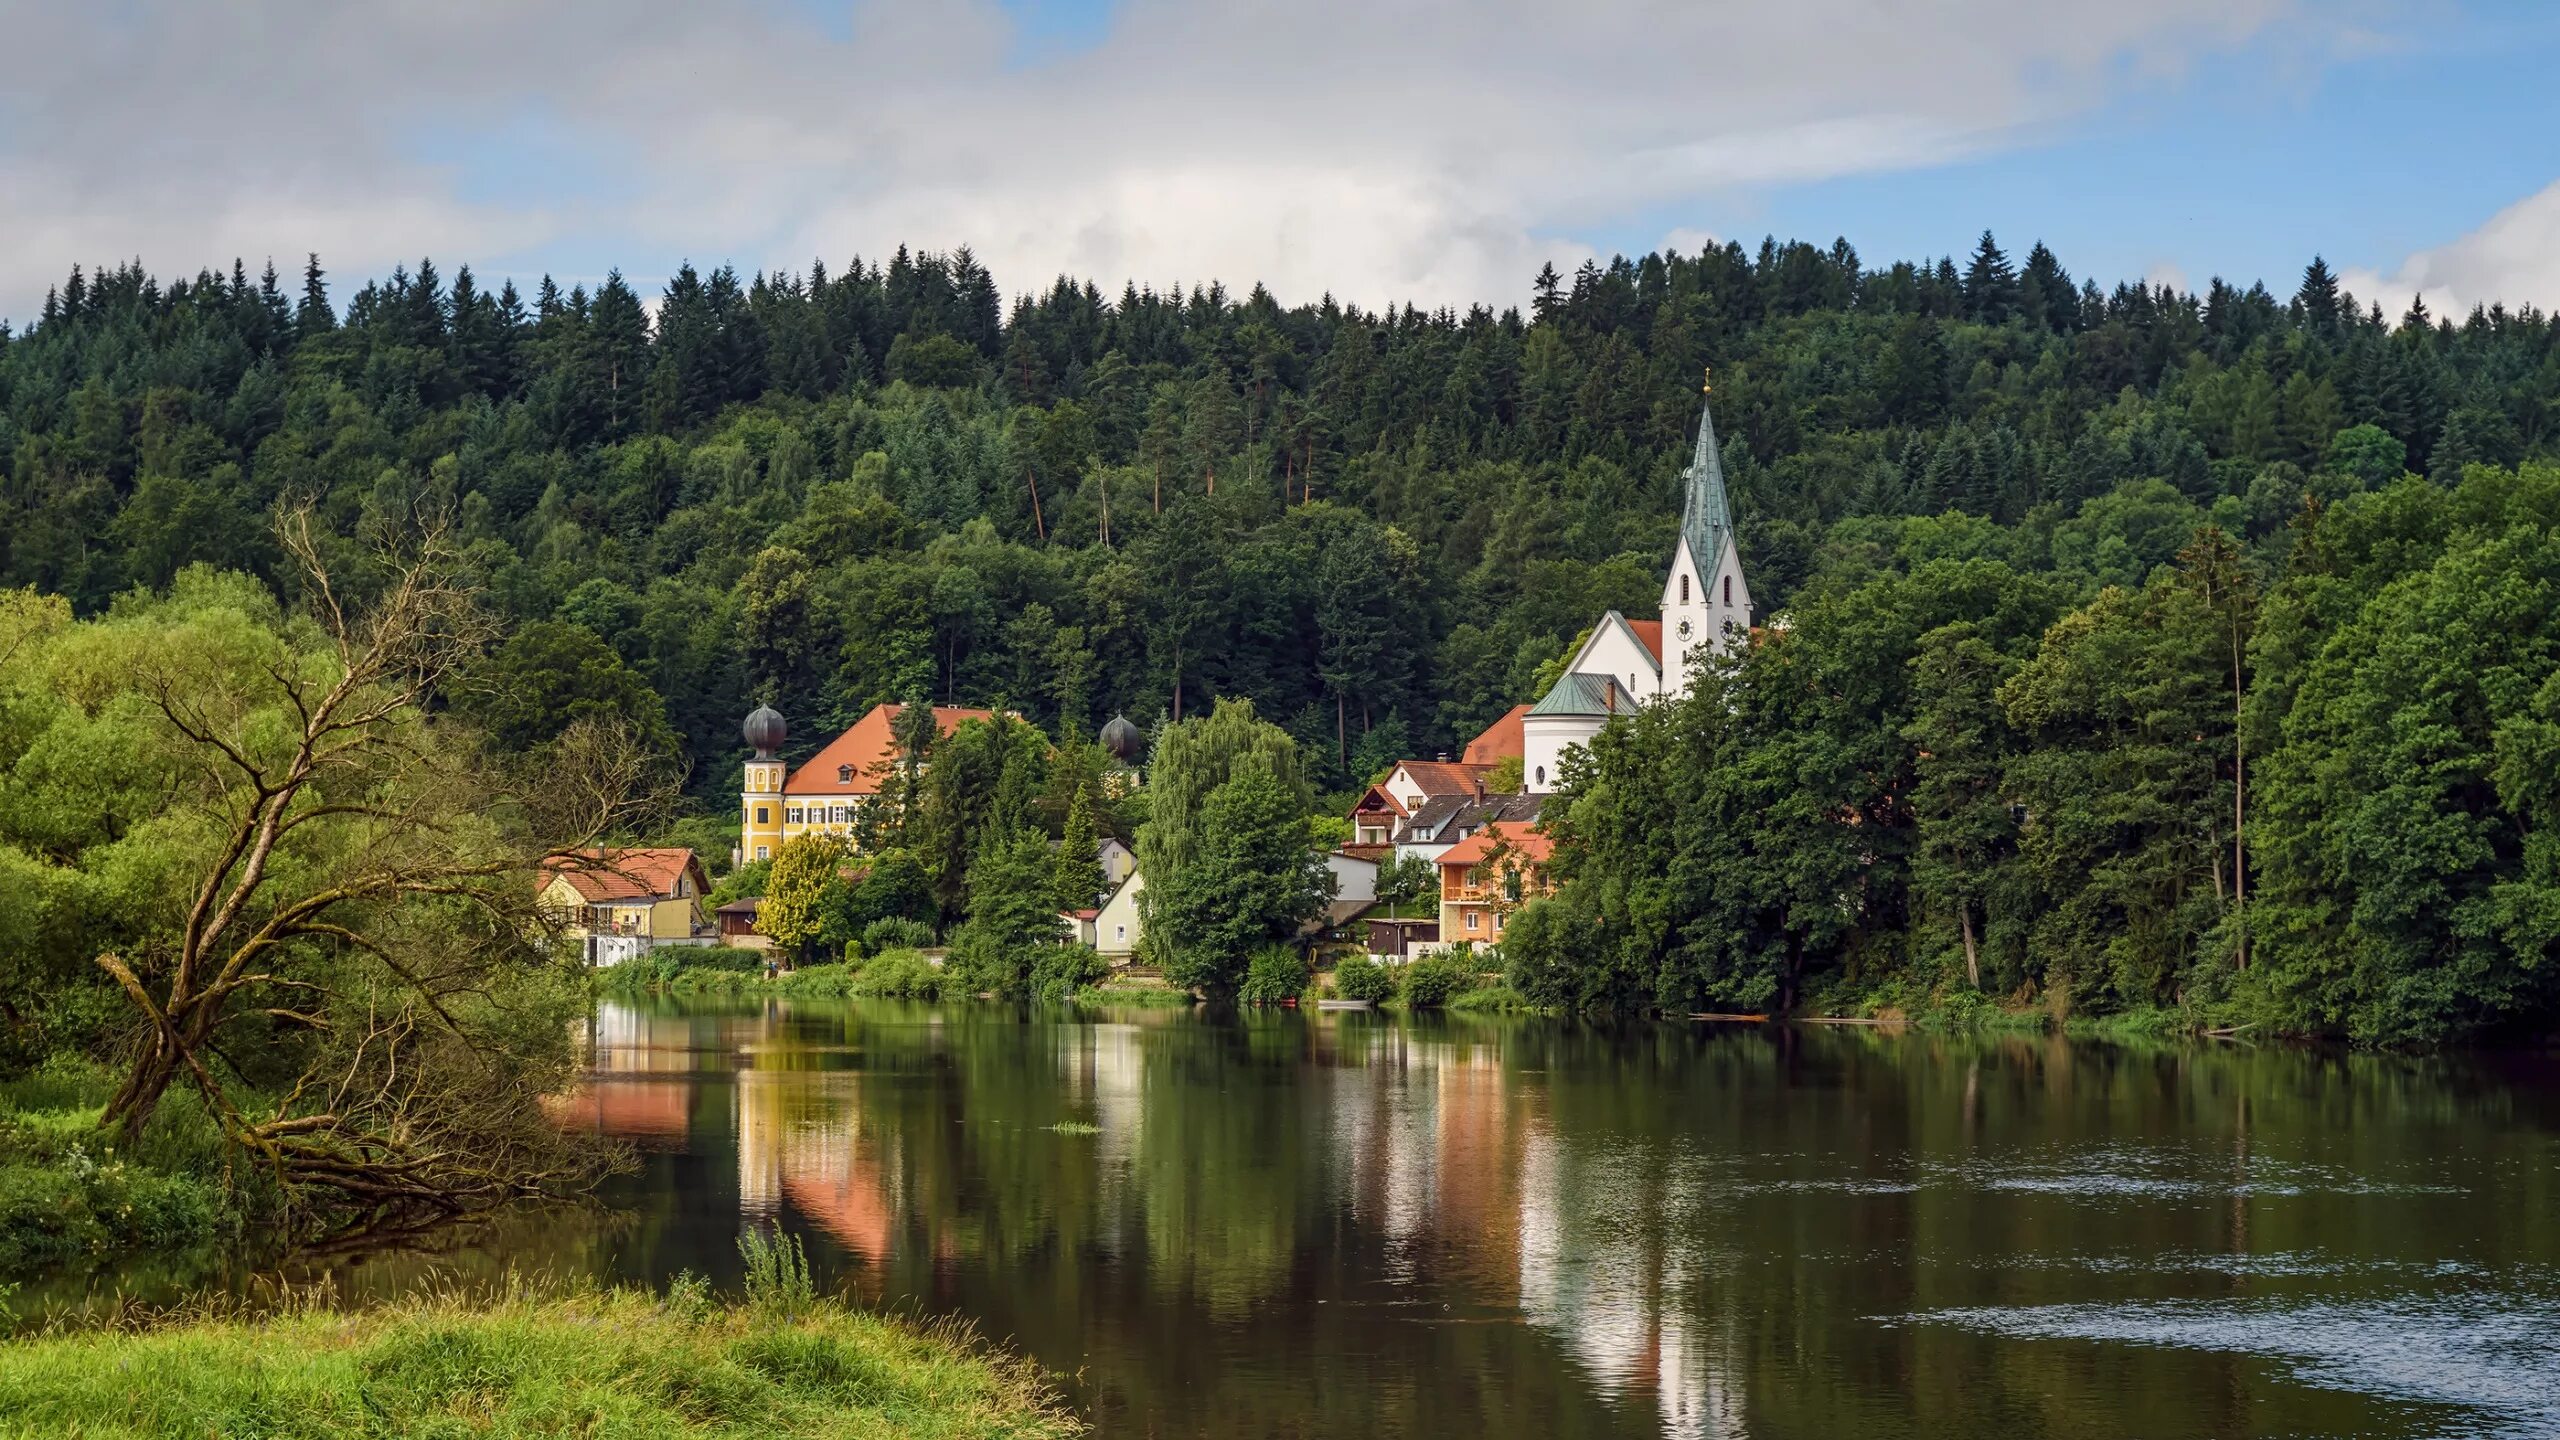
(1685, 629)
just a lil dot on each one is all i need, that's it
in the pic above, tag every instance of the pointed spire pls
(1706, 518)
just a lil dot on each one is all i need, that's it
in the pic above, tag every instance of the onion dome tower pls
(1125, 741)
(760, 798)
(766, 730)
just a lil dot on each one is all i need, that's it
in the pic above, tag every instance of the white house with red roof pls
(1623, 663)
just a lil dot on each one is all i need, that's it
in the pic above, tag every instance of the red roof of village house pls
(1501, 740)
(638, 874)
(1530, 845)
(1379, 794)
(1649, 634)
(867, 749)
(1445, 777)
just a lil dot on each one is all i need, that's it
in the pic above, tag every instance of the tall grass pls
(777, 1272)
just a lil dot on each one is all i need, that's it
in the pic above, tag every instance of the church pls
(1623, 663)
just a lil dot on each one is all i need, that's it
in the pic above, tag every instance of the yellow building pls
(620, 903)
(829, 790)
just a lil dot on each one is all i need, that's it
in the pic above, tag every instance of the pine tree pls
(2317, 301)
(1990, 284)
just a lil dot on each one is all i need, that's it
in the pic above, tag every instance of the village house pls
(620, 903)
(827, 793)
(1486, 877)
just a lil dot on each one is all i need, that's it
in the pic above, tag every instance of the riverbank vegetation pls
(246, 866)
(602, 1362)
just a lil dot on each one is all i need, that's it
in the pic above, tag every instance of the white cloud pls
(1383, 150)
(2514, 258)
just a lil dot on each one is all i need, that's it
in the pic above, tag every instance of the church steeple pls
(1706, 518)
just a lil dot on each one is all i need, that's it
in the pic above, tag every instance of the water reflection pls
(1348, 1224)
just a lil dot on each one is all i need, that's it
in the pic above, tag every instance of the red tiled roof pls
(1379, 794)
(1501, 740)
(1530, 845)
(639, 874)
(1648, 634)
(1444, 777)
(866, 750)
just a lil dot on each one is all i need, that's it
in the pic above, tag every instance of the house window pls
(1728, 589)
(764, 816)
(1542, 774)
(1475, 919)
(791, 815)
(764, 852)
(1120, 934)
(844, 774)
(1684, 589)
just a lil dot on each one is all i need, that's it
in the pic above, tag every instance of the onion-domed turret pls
(766, 731)
(1124, 740)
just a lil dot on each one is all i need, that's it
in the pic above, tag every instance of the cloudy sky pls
(1381, 150)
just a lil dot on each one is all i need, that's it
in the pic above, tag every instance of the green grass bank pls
(595, 1364)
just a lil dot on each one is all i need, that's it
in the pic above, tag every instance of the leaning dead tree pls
(358, 986)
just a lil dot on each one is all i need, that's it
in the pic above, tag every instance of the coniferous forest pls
(2122, 648)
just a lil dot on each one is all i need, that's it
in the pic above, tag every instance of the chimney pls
(1479, 789)
(1443, 757)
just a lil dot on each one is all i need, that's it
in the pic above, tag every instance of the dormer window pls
(844, 774)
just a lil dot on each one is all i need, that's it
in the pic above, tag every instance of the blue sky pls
(1380, 150)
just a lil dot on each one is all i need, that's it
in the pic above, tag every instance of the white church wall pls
(1614, 651)
(1543, 741)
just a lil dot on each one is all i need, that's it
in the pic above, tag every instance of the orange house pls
(1486, 876)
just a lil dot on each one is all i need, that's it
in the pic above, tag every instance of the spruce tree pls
(1990, 284)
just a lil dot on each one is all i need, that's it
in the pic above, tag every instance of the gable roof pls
(1502, 740)
(1580, 694)
(1530, 845)
(1385, 801)
(601, 875)
(867, 749)
(1443, 777)
(1648, 634)
(1445, 814)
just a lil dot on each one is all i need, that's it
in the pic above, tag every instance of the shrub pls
(899, 974)
(1066, 969)
(1431, 981)
(1275, 974)
(1360, 978)
(895, 932)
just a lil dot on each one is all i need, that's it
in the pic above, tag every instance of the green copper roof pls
(1580, 694)
(1706, 520)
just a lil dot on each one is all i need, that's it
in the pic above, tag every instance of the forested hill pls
(882, 481)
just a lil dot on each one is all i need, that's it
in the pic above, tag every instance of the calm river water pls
(1354, 1225)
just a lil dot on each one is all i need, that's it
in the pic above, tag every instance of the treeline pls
(2062, 697)
(883, 482)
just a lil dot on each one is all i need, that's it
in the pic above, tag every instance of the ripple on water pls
(2492, 1354)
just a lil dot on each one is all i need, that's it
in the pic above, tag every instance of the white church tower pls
(1706, 611)
(1706, 606)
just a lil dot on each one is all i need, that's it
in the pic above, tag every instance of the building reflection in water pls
(1443, 1149)
(1457, 1161)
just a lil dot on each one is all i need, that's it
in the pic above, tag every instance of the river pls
(1346, 1224)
